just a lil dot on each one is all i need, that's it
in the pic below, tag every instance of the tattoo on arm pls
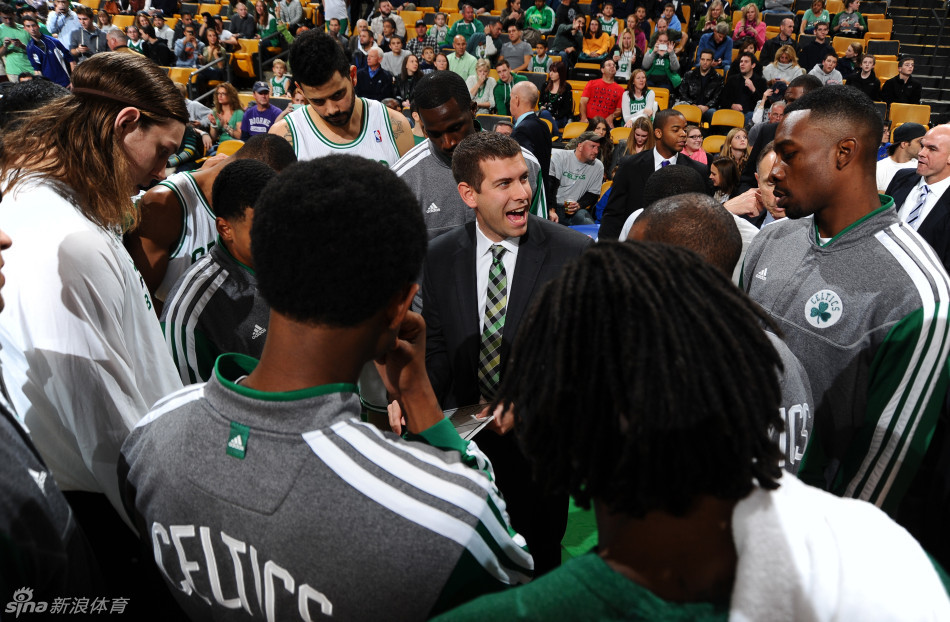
(289, 136)
(398, 129)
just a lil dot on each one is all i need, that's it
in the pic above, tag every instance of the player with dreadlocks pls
(659, 415)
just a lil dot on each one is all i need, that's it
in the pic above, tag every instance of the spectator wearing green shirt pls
(461, 62)
(540, 17)
(506, 80)
(467, 26)
(14, 44)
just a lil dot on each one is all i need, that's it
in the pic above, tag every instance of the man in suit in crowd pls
(530, 131)
(472, 314)
(669, 128)
(920, 195)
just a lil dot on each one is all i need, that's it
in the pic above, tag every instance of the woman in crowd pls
(850, 62)
(638, 100)
(142, 20)
(785, 67)
(865, 80)
(556, 97)
(441, 62)
(407, 79)
(637, 28)
(725, 178)
(736, 147)
(751, 25)
(694, 145)
(714, 15)
(599, 126)
(596, 43)
(849, 22)
(225, 120)
(213, 51)
(627, 56)
(640, 139)
(104, 20)
(481, 86)
(91, 359)
(817, 13)
(266, 25)
(512, 12)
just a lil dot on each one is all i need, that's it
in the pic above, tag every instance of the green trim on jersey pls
(244, 266)
(886, 203)
(538, 201)
(184, 216)
(237, 365)
(363, 125)
(889, 378)
(201, 195)
(293, 135)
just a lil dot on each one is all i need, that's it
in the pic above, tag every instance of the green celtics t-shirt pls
(16, 61)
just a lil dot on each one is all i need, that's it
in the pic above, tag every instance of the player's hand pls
(504, 419)
(214, 161)
(396, 419)
(749, 203)
(404, 364)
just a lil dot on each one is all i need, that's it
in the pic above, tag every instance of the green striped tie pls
(489, 356)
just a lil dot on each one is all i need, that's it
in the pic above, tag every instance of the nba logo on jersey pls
(379, 137)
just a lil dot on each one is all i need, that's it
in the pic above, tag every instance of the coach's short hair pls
(476, 148)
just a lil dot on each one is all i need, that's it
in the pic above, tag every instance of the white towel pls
(807, 555)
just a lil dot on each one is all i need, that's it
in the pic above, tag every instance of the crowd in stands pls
(355, 355)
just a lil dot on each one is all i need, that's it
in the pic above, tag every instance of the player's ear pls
(224, 229)
(847, 148)
(468, 194)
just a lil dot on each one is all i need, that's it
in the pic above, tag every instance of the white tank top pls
(198, 233)
(375, 140)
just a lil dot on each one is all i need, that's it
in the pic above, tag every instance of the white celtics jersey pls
(375, 140)
(198, 233)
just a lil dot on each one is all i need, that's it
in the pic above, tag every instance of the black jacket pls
(935, 228)
(870, 86)
(735, 92)
(626, 194)
(897, 91)
(404, 87)
(691, 89)
(813, 53)
(377, 87)
(533, 134)
(767, 55)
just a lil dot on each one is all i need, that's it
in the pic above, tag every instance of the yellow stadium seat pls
(122, 21)
(619, 133)
(213, 9)
(243, 59)
(662, 96)
(230, 147)
(692, 113)
(910, 113)
(180, 74)
(727, 117)
(841, 44)
(885, 69)
(573, 130)
(713, 144)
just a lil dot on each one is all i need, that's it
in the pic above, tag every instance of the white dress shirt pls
(483, 259)
(658, 159)
(936, 191)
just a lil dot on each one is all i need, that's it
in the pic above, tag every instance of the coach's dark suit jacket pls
(450, 302)
(626, 193)
(450, 309)
(533, 134)
(936, 226)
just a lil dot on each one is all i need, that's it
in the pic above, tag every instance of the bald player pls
(701, 224)
(860, 296)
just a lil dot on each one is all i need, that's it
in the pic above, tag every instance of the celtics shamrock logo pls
(823, 309)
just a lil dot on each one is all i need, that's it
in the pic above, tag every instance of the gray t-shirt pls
(576, 177)
(515, 54)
